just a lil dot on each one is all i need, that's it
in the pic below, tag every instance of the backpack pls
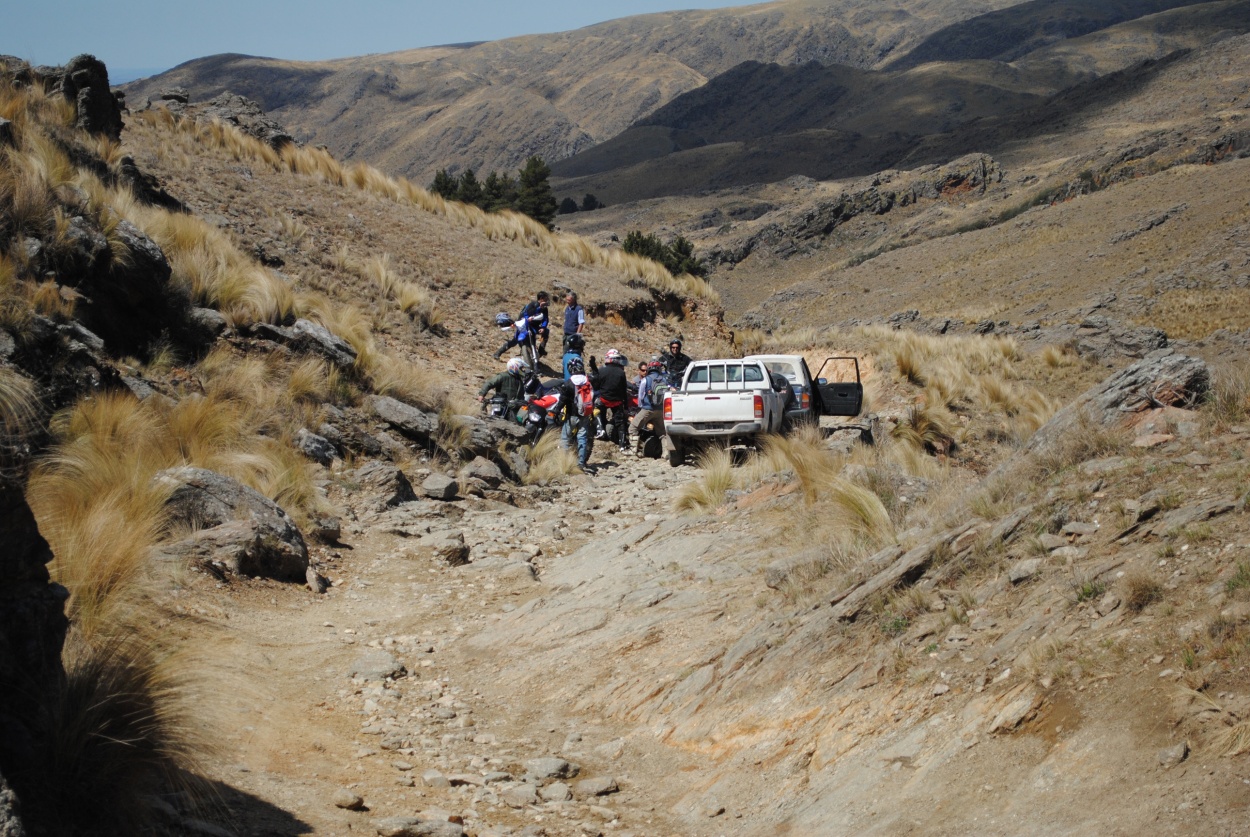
(584, 402)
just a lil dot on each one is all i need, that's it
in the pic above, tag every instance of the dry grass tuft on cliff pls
(571, 250)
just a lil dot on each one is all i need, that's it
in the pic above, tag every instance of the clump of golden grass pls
(19, 403)
(211, 268)
(548, 462)
(1087, 441)
(1194, 313)
(453, 435)
(707, 493)
(1233, 741)
(860, 512)
(415, 384)
(121, 726)
(1058, 357)
(1141, 589)
(1228, 401)
(929, 428)
(801, 453)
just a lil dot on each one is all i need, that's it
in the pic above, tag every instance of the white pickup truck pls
(731, 401)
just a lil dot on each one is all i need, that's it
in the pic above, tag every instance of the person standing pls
(577, 404)
(537, 327)
(574, 317)
(649, 412)
(612, 390)
(675, 362)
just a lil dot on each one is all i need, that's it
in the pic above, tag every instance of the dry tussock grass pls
(548, 462)
(1228, 402)
(20, 407)
(506, 225)
(707, 493)
(1193, 314)
(208, 264)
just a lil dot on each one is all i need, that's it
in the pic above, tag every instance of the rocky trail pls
(587, 661)
(371, 703)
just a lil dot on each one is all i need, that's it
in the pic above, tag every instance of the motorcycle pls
(537, 411)
(526, 337)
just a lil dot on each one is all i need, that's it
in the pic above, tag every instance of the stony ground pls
(369, 690)
(604, 666)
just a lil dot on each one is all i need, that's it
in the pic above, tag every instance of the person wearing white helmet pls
(509, 383)
(611, 385)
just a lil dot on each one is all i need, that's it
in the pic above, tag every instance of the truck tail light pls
(668, 408)
(759, 406)
(805, 401)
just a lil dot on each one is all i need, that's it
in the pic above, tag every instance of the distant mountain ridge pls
(762, 123)
(491, 105)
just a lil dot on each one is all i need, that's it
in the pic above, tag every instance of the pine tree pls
(590, 203)
(681, 258)
(445, 185)
(567, 206)
(499, 192)
(469, 189)
(534, 196)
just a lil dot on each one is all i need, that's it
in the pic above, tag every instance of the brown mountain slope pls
(956, 241)
(489, 106)
(765, 122)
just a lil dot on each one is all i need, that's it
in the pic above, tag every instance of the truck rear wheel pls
(676, 456)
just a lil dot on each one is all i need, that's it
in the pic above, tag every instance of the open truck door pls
(839, 394)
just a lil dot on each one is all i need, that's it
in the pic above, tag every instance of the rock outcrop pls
(1163, 378)
(84, 82)
(243, 532)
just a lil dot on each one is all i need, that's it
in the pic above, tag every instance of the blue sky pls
(158, 34)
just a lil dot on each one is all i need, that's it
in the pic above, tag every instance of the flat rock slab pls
(520, 796)
(550, 768)
(385, 482)
(597, 786)
(1019, 705)
(376, 664)
(1022, 571)
(415, 827)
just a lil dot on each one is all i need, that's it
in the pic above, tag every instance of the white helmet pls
(613, 356)
(517, 366)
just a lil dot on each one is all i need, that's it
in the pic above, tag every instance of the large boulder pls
(240, 529)
(386, 485)
(416, 424)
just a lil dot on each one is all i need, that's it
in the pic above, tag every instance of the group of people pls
(592, 398)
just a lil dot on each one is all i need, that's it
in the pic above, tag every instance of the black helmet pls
(576, 367)
(676, 341)
(503, 320)
(574, 343)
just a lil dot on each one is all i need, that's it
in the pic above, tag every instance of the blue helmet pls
(503, 320)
